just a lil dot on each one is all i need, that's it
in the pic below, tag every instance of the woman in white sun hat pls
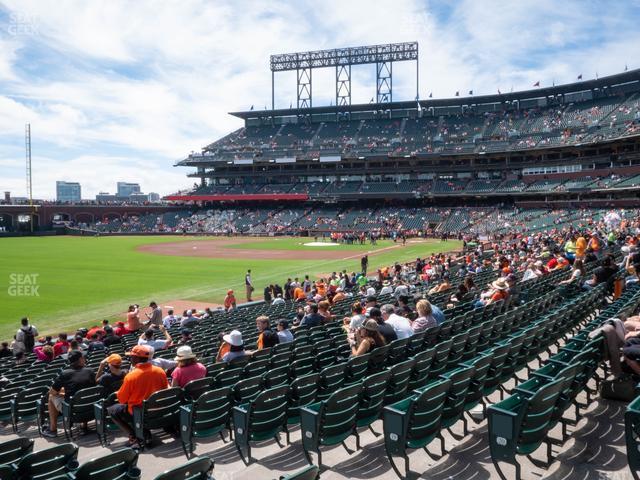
(188, 367)
(236, 346)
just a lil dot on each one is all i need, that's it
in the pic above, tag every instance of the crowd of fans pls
(388, 303)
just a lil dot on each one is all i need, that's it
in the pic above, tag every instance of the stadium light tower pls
(342, 59)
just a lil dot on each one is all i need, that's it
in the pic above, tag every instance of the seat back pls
(399, 381)
(378, 359)
(398, 350)
(498, 358)
(268, 413)
(195, 388)
(308, 473)
(414, 421)
(540, 409)
(425, 411)
(196, 469)
(47, 463)
(356, 369)
(481, 364)
(421, 368)
(13, 450)
(331, 379)
(339, 413)
(211, 412)
(246, 390)
(461, 379)
(162, 409)
(374, 388)
(440, 358)
(302, 391)
(113, 466)
(80, 406)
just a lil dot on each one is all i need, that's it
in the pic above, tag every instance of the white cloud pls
(129, 87)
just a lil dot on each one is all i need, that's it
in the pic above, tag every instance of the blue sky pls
(121, 90)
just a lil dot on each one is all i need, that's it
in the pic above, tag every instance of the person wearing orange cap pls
(138, 385)
(229, 301)
(111, 379)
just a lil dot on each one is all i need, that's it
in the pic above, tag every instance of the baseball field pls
(65, 282)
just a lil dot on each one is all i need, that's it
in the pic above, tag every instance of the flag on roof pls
(470, 92)
(430, 94)
(499, 92)
(457, 93)
(537, 84)
(580, 77)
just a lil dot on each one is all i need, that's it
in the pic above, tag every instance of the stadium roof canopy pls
(602, 83)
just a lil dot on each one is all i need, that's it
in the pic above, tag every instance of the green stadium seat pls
(160, 410)
(13, 450)
(262, 418)
(519, 425)
(302, 391)
(80, 408)
(104, 424)
(206, 417)
(331, 379)
(25, 405)
(415, 422)
(399, 381)
(195, 388)
(48, 463)
(119, 465)
(372, 399)
(308, 473)
(331, 421)
(197, 469)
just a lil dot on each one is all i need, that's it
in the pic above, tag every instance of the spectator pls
(188, 368)
(95, 329)
(133, 319)
(189, 320)
(236, 346)
(44, 353)
(25, 337)
(120, 329)
(147, 338)
(357, 317)
(323, 310)
(497, 292)
(229, 301)
(170, 320)
(369, 338)
(5, 351)
(155, 318)
(268, 294)
(95, 344)
(425, 318)
(401, 325)
(267, 338)
(61, 346)
(110, 337)
(68, 383)
(312, 318)
(138, 385)
(577, 273)
(384, 329)
(386, 288)
(111, 379)
(278, 300)
(284, 334)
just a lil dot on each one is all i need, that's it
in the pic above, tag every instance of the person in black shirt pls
(70, 381)
(384, 329)
(111, 379)
(110, 338)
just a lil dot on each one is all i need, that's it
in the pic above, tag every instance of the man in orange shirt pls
(138, 385)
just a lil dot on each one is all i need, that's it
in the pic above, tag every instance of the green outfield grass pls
(82, 279)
